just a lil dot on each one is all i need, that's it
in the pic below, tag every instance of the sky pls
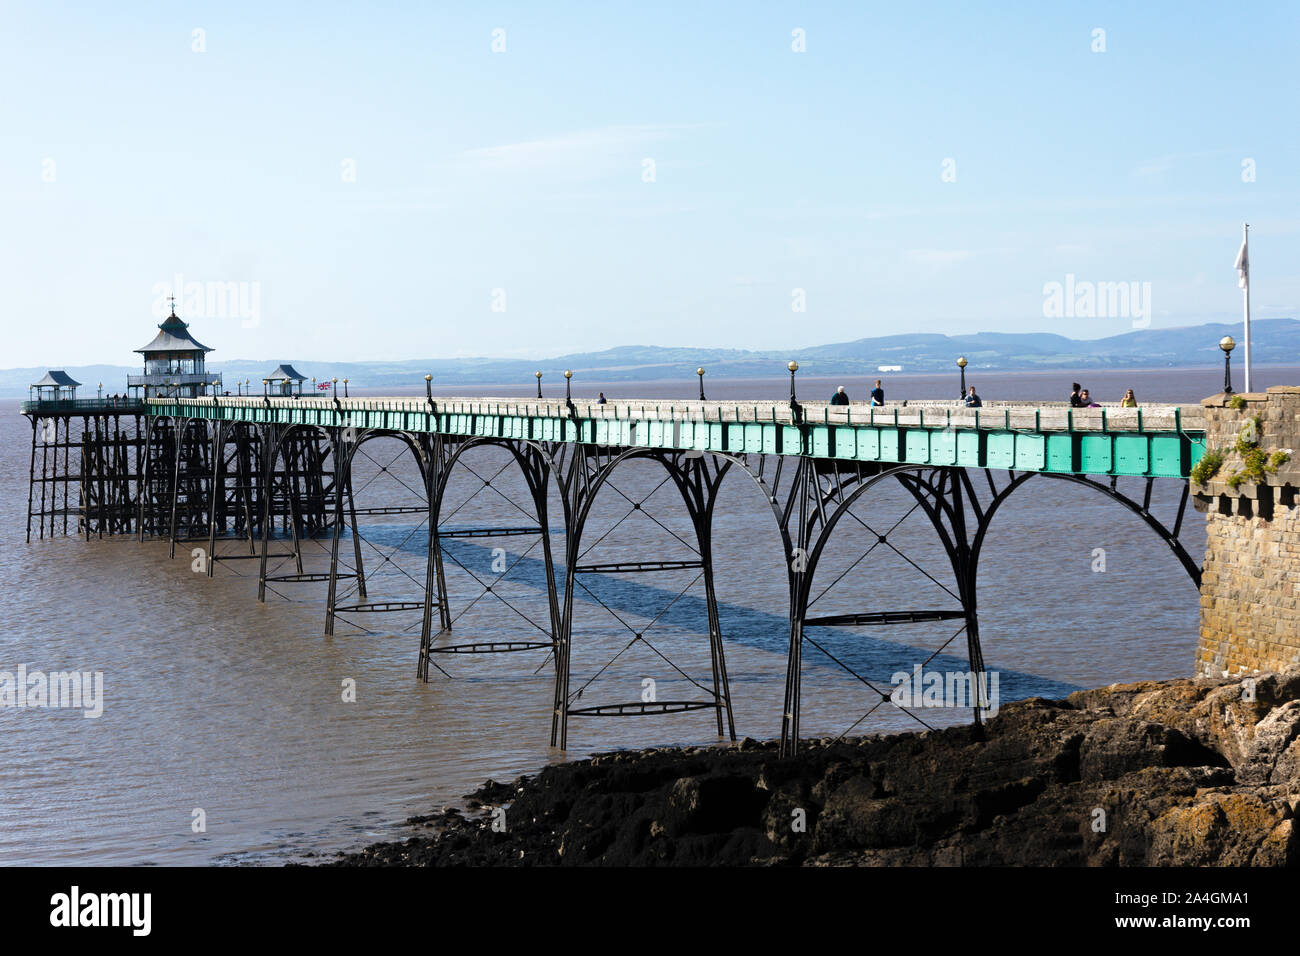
(405, 180)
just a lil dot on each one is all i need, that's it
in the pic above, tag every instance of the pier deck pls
(1154, 441)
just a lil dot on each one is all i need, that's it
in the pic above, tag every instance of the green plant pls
(1237, 402)
(1208, 466)
(1279, 459)
(1253, 463)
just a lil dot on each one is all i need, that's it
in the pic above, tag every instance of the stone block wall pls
(1250, 587)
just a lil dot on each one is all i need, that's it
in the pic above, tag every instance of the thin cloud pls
(937, 257)
(593, 149)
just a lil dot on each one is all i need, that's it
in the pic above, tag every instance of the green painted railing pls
(1142, 442)
(80, 405)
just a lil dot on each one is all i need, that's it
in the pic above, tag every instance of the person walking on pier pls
(878, 395)
(973, 400)
(840, 397)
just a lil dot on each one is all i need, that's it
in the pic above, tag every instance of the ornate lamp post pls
(428, 388)
(345, 387)
(538, 373)
(700, 372)
(568, 379)
(961, 364)
(99, 391)
(793, 367)
(1227, 344)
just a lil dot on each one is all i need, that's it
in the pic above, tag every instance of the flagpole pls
(1245, 245)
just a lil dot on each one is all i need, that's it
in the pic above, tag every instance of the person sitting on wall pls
(840, 397)
(1085, 400)
(1129, 400)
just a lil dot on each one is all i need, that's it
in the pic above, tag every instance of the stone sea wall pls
(1250, 589)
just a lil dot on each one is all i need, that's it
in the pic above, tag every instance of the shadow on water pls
(873, 658)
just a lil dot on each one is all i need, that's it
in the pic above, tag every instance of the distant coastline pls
(1276, 342)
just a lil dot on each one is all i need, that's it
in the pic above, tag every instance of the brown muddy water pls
(214, 702)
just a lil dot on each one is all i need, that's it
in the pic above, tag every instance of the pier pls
(274, 471)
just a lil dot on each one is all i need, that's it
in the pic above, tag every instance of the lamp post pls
(793, 367)
(286, 387)
(700, 372)
(1227, 344)
(428, 388)
(345, 387)
(568, 378)
(538, 373)
(961, 364)
(99, 391)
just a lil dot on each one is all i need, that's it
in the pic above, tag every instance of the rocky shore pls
(1196, 772)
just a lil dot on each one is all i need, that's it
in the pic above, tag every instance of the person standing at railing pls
(1129, 400)
(840, 397)
(973, 400)
(1075, 400)
(1085, 400)
(878, 395)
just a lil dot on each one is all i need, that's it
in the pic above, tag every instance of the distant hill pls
(1273, 342)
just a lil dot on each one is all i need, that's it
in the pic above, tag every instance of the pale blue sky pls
(523, 171)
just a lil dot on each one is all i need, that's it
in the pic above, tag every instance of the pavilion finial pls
(173, 298)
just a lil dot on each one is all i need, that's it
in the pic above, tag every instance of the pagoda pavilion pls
(173, 363)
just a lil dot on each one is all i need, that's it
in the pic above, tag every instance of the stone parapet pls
(1250, 586)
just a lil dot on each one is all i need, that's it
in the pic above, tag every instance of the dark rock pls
(1180, 773)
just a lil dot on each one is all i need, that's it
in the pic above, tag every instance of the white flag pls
(1242, 265)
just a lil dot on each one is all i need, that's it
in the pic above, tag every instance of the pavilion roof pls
(284, 371)
(173, 336)
(56, 377)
